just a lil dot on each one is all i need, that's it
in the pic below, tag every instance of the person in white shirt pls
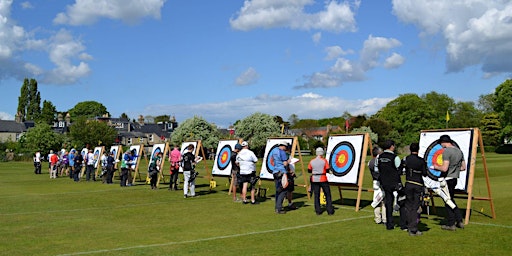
(89, 171)
(247, 160)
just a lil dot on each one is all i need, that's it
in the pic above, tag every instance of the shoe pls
(449, 228)
(245, 202)
(185, 196)
(417, 233)
(292, 207)
(280, 212)
(404, 229)
(255, 202)
(459, 225)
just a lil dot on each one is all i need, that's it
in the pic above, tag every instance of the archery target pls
(432, 152)
(268, 163)
(344, 153)
(97, 153)
(222, 166)
(136, 149)
(115, 151)
(157, 148)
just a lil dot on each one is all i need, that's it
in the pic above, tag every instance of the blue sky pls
(224, 60)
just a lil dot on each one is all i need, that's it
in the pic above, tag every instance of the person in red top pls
(54, 159)
(318, 168)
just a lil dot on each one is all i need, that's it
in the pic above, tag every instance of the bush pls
(504, 149)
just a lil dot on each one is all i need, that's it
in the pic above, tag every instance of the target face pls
(270, 160)
(224, 158)
(342, 159)
(434, 157)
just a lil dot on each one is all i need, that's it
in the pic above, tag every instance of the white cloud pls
(475, 32)
(26, 5)
(308, 105)
(345, 70)
(250, 76)
(334, 52)
(85, 12)
(335, 17)
(63, 49)
(6, 116)
(394, 61)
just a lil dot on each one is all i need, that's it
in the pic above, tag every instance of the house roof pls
(12, 126)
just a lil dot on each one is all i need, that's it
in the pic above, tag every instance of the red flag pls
(231, 131)
(347, 125)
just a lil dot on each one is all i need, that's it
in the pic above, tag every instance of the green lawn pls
(40, 216)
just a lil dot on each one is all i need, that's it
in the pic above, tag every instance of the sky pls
(225, 60)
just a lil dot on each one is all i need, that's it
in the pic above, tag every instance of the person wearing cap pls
(235, 171)
(415, 169)
(453, 164)
(247, 160)
(280, 165)
(174, 159)
(387, 166)
(318, 168)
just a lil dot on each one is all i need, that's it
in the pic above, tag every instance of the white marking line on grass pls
(491, 225)
(217, 237)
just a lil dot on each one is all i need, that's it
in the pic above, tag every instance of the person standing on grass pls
(415, 169)
(71, 160)
(453, 164)
(154, 169)
(387, 166)
(280, 165)
(37, 162)
(64, 164)
(89, 171)
(247, 160)
(189, 184)
(379, 209)
(235, 171)
(125, 168)
(318, 168)
(291, 179)
(78, 160)
(110, 168)
(174, 159)
(54, 159)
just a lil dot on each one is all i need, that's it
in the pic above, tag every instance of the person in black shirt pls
(415, 168)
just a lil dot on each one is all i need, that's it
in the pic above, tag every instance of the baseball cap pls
(245, 144)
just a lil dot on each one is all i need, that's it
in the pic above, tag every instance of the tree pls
(365, 129)
(485, 103)
(408, 115)
(293, 119)
(41, 137)
(196, 128)
(93, 133)
(491, 129)
(465, 115)
(162, 118)
(306, 123)
(503, 106)
(256, 129)
(48, 113)
(124, 116)
(381, 127)
(87, 109)
(29, 102)
(437, 105)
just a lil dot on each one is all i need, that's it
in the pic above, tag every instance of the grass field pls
(40, 216)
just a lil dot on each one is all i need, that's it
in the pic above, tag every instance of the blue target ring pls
(342, 159)
(270, 161)
(224, 157)
(434, 156)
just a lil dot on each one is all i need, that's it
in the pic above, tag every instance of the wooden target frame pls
(140, 151)
(222, 165)
(272, 144)
(98, 152)
(467, 139)
(346, 154)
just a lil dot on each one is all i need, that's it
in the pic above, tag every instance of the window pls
(150, 138)
(129, 141)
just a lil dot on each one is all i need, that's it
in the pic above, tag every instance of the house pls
(318, 133)
(11, 130)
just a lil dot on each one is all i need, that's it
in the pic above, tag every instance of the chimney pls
(141, 120)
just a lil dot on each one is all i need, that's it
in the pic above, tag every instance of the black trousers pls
(453, 215)
(315, 186)
(174, 180)
(413, 195)
(389, 199)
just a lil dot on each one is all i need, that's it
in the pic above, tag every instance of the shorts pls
(291, 185)
(246, 178)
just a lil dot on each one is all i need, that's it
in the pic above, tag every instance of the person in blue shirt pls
(280, 160)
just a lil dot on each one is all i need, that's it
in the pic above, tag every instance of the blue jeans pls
(280, 193)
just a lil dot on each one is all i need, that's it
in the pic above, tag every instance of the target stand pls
(346, 154)
(467, 140)
(223, 162)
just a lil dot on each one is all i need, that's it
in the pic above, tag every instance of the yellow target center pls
(439, 161)
(342, 158)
